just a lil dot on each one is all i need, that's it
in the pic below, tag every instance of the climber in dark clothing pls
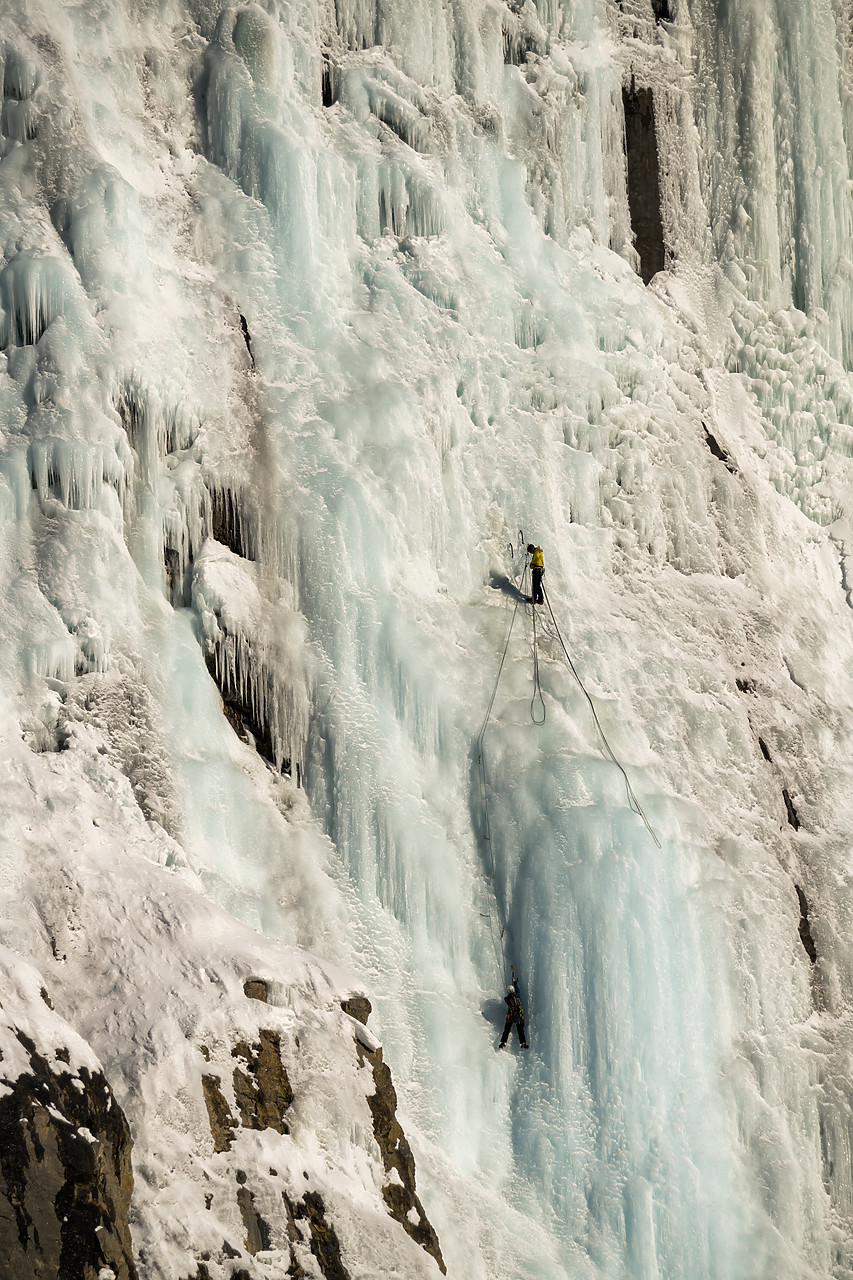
(514, 1014)
(537, 568)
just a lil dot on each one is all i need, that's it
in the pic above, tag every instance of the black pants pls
(519, 1026)
(536, 594)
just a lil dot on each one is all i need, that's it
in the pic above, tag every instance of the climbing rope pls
(496, 927)
(537, 687)
(494, 919)
(497, 943)
(633, 802)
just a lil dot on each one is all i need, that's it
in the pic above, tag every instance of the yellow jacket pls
(536, 561)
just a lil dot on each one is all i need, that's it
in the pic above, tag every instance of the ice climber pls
(537, 568)
(514, 1014)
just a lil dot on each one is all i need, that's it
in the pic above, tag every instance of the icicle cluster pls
(258, 649)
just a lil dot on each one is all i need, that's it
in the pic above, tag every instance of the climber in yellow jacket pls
(537, 568)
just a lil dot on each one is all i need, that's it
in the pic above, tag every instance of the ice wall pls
(304, 311)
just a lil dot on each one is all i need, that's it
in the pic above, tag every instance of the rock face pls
(258, 1089)
(262, 1093)
(399, 1191)
(261, 1089)
(641, 153)
(65, 1173)
(324, 1239)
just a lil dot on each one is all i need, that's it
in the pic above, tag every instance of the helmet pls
(510, 991)
(530, 546)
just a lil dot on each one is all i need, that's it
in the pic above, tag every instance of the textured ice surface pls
(364, 275)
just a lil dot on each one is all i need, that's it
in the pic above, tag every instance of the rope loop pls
(537, 687)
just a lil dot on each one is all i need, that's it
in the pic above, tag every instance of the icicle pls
(234, 519)
(358, 23)
(257, 654)
(17, 486)
(186, 523)
(75, 472)
(32, 293)
(407, 205)
(528, 327)
(19, 120)
(392, 98)
(20, 76)
(522, 34)
(55, 659)
(154, 429)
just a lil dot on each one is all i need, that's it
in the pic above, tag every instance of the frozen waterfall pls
(308, 311)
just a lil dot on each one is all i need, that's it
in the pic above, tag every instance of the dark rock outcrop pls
(231, 519)
(324, 1239)
(222, 1122)
(790, 810)
(805, 928)
(256, 989)
(399, 1192)
(262, 1095)
(718, 451)
(258, 1234)
(262, 1090)
(358, 1007)
(641, 153)
(65, 1174)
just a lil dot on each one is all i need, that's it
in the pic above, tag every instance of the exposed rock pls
(222, 1122)
(263, 1094)
(295, 1271)
(293, 1231)
(263, 1091)
(791, 812)
(258, 1234)
(256, 989)
(328, 86)
(718, 451)
(641, 153)
(324, 1238)
(358, 1007)
(804, 926)
(399, 1192)
(65, 1175)
(247, 337)
(240, 714)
